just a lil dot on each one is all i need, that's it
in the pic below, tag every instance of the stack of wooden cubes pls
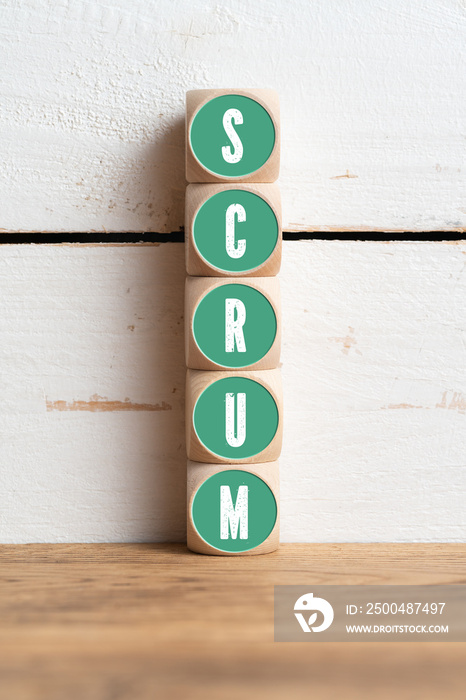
(234, 416)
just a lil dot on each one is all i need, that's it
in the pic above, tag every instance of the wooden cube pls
(232, 323)
(234, 417)
(233, 230)
(232, 136)
(233, 510)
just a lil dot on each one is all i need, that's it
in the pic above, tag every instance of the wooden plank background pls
(92, 373)
(372, 100)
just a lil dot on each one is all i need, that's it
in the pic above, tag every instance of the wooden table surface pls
(137, 621)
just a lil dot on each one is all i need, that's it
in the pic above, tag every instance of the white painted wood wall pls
(372, 97)
(91, 353)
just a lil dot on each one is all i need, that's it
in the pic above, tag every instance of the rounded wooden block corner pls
(262, 337)
(231, 162)
(264, 441)
(206, 237)
(198, 473)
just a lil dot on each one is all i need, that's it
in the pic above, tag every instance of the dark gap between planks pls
(178, 237)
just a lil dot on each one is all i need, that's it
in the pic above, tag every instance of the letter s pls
(232, 115)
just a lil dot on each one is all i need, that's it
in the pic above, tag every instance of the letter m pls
(231, 517)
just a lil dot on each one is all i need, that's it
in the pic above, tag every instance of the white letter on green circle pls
(235, 438)
(234, 326)
(232, 115)
(234, 516)
(238, 250)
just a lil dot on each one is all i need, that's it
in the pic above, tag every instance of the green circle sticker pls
(234, 511)
(235, 418)
(232, 136)
(235, 231)
(234, 325)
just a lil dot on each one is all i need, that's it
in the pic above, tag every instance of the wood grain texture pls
(268, 99)
(197, 381)
(197, 195)
(136, 621)
(198, 472)
(197, 287)
(374, 392)
(371, 94)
